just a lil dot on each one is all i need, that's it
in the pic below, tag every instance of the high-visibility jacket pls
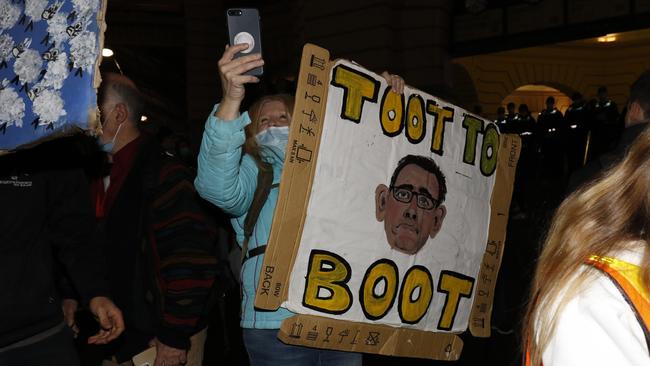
(627, 278)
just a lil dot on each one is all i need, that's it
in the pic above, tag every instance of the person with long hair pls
(237, 151)
(590, 298)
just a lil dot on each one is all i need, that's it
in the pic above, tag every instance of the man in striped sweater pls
(159, 243)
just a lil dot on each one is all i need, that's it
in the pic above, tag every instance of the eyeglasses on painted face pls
(423, 200)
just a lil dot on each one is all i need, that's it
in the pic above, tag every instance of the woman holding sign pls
(239, 168)
(590, 301)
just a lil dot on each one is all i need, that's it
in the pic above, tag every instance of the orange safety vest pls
(627, 278)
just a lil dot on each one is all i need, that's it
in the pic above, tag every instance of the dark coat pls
(46, 219)
(595, 167)
(161, 252)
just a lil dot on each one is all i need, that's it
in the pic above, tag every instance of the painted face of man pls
(410, 209)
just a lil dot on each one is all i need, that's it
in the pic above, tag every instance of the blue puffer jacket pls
(228, 180)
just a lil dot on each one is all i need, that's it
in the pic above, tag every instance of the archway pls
(534, 95)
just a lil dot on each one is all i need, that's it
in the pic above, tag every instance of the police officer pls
(523, 124)
(607, 127)
(578, 131)
(511, 113)
(501, 120)
(551, 139)
(551, 128)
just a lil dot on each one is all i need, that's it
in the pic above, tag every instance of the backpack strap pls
(262, 190)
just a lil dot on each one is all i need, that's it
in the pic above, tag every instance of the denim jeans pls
(265, 349)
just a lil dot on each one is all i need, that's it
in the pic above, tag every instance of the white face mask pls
(275, 138)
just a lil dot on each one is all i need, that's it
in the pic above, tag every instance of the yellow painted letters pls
(326, 287)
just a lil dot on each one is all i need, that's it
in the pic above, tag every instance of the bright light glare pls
(608, 38)
(107, 52)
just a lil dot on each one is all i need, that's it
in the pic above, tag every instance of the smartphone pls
(145, 358)
(244, 27)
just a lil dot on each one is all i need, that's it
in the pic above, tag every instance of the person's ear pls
(381, 195)
(121, 112)
(438, 218)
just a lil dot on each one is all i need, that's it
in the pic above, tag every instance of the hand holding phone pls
(244, 27)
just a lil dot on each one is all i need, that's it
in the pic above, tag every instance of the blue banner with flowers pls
(49, 51)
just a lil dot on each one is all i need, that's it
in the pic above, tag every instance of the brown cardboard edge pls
(312, 170)
(277, 254)
(94, 126)
(509, 151)
(319, 332)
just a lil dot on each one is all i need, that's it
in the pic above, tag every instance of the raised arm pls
(233, 80)
(225, 177)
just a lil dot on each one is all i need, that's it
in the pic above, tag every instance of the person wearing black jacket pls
(607, 126)
(637, 120)
(578, 121)
(47, 221)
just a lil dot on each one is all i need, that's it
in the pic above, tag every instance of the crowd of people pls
(589, 301)
(556, 145)
(132, 244)
(136, 246)
(562, 155)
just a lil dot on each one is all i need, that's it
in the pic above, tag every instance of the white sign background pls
(352, 160)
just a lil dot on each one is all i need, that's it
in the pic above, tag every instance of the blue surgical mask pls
(108, 146)
(275, 138)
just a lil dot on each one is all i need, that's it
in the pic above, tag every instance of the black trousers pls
(57, 349)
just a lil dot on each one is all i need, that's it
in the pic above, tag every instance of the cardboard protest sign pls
(388, 231)
(49, 53)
